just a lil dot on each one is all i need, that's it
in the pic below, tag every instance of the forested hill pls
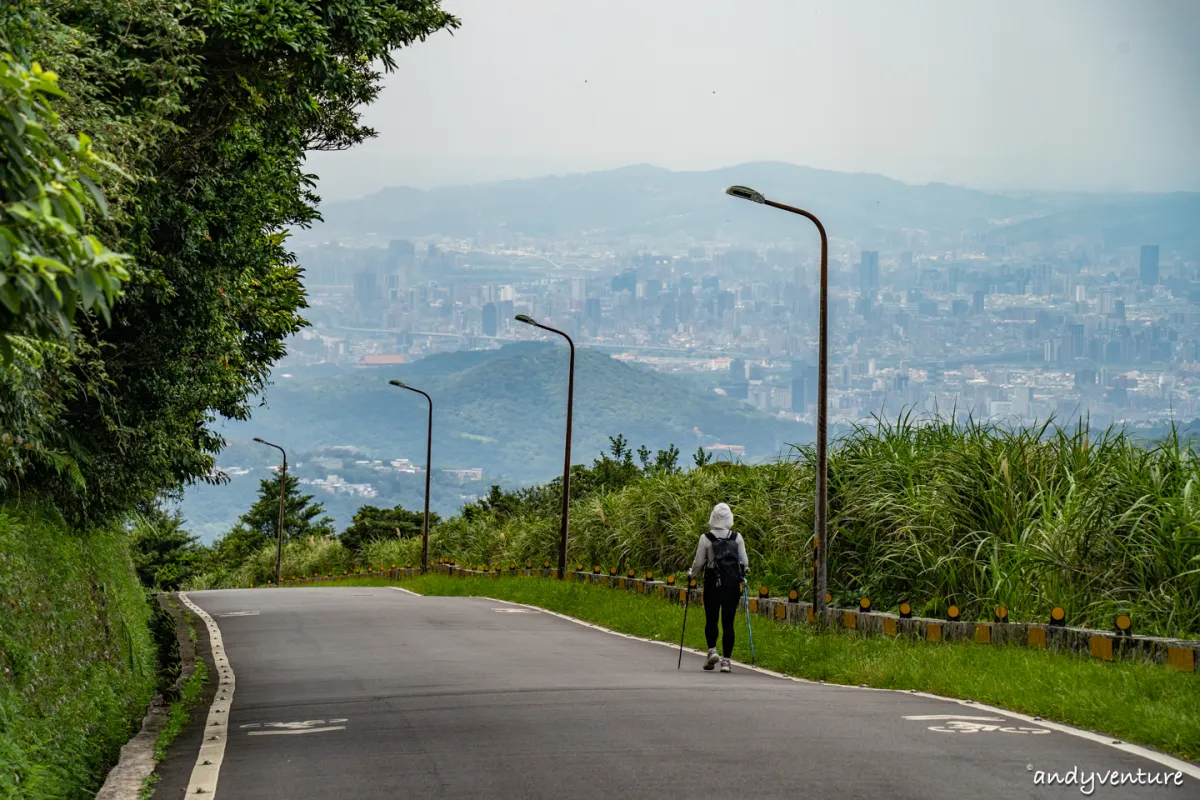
(504, 410)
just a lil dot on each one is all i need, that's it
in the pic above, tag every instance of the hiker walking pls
(721, 554)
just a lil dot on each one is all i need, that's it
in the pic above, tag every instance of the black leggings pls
(722, 601)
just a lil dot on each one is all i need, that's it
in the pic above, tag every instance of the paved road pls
(467, 697)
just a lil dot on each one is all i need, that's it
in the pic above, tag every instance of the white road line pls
(930, 717)
(216, 725)
(1107, 740)
(292, 733)
(406, 591)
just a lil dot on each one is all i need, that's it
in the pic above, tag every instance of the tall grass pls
(929, 511)
(933, 512)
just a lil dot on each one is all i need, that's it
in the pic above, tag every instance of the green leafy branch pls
(49, 265)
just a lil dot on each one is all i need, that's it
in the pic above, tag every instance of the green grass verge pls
(77, 660)
(180, 708)
(1141, 703)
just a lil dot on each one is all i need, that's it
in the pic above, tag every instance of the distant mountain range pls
(503, 410)
(650, 201)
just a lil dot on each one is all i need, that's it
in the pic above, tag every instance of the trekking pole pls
(746, 597)
(686, 599)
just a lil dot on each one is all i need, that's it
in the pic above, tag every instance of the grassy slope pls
(1140, 703)
(77, 661)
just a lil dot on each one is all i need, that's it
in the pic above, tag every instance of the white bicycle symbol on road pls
(954, 723)
(959, 726)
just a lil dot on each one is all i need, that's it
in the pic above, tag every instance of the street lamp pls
(820, 527)
(566, 489)
(428, 472)
(282, 494)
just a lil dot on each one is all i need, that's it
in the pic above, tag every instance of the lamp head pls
(745, 193)
(260, 441)
(397, 383)
(528, 320)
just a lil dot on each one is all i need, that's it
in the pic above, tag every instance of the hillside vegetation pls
(933, 513)
(77, 661)
(504, 410)
(151, 166)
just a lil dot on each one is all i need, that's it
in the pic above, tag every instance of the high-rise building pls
(490, 319)
(977, 301)
(1073, 342)
(737, 369)
(868, 272)
(1148, 273)
(799, 391)
(725, 302)
(366, 290)
(865, 307)
(668, 318)
(402, 250)
(625, 282)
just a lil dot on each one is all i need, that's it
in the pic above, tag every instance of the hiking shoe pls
(712, 659)
(726, 666)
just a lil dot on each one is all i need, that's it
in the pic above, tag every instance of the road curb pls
(1182, 655)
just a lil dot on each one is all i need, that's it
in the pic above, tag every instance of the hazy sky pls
(1002, 94)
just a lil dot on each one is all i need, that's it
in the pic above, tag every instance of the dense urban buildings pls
(1020, 333)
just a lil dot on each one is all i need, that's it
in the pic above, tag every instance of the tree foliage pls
(609, 473)
(49, 265)
(301, 516)
(373, 524)
(207, 109)
(164, 553)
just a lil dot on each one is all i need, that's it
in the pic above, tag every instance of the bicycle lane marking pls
(1187, 768)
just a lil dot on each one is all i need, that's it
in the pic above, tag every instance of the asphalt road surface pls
(376, 693)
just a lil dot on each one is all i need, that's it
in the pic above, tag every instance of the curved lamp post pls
(282, 495)
(820, 546)
(428, 472)
(566, 490)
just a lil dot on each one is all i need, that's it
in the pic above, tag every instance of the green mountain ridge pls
(515, 397)
(501, 410)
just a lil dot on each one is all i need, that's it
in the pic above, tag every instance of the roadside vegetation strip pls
(191, 690)
(1139, 703)
(929, 513)
(77, 660)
